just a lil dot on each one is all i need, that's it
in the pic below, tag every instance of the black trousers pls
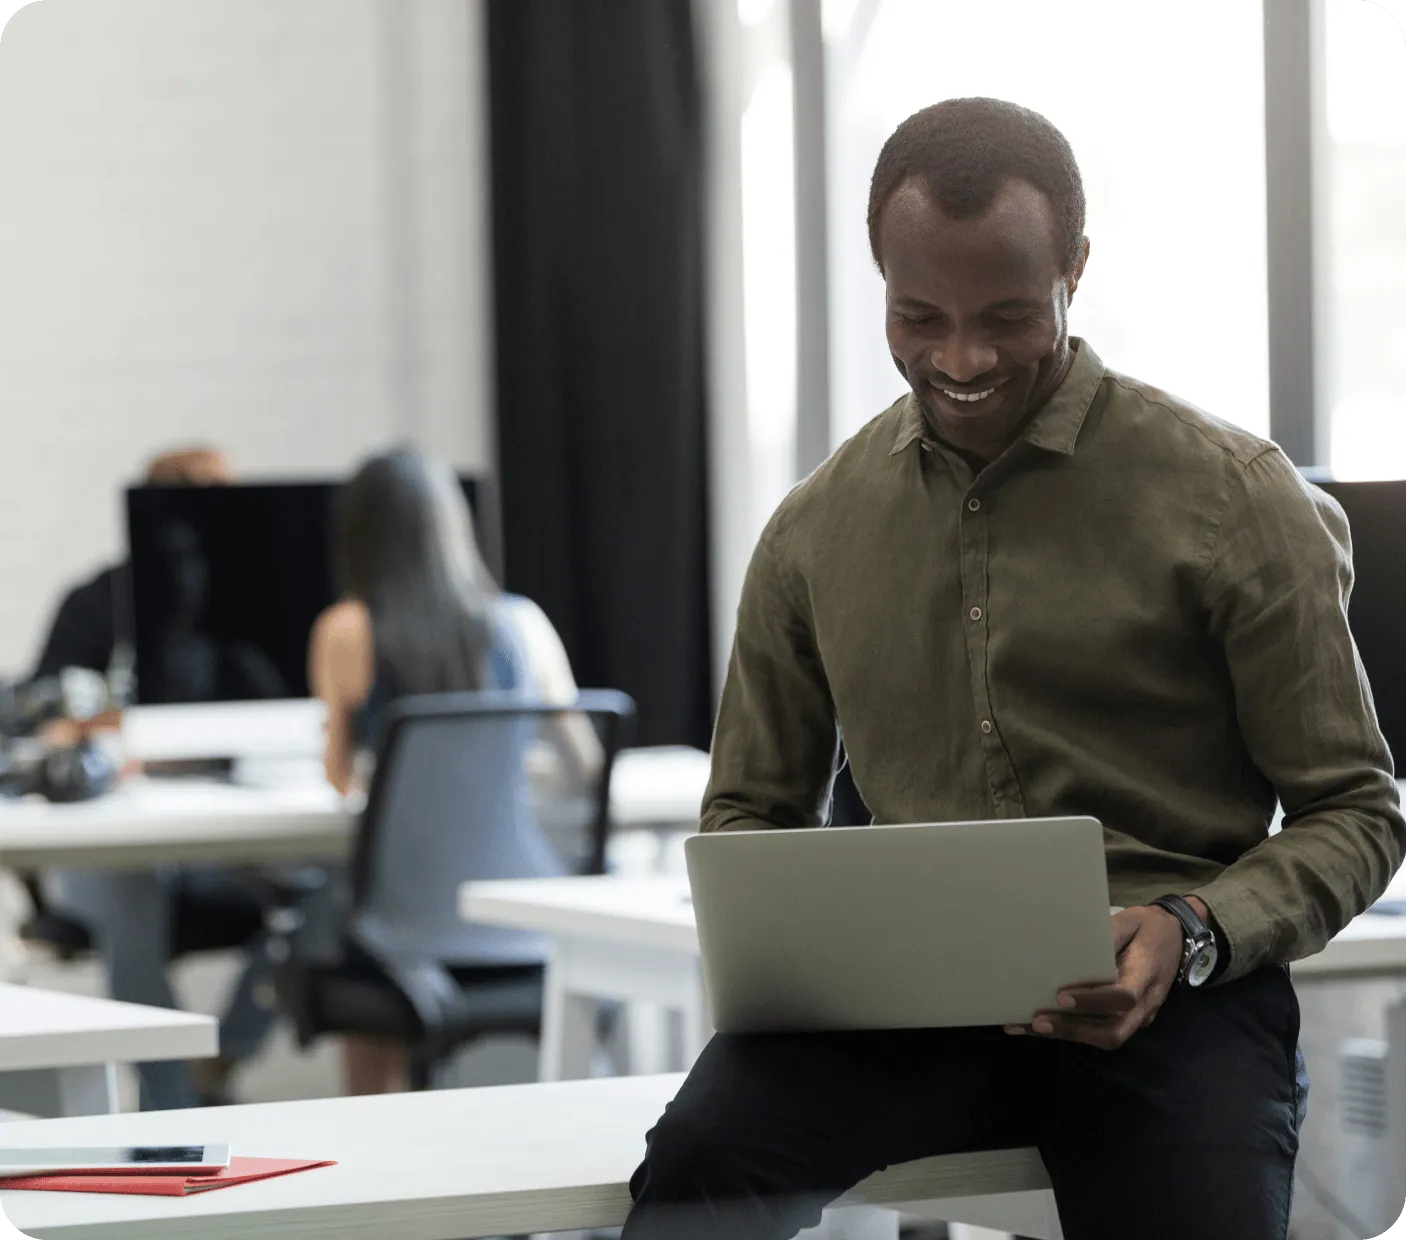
(1189, 1131)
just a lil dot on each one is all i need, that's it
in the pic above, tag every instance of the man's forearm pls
(1287, 897)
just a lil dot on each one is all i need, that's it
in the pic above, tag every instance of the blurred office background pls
(610, 256)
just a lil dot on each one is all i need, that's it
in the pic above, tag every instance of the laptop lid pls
(893, 927)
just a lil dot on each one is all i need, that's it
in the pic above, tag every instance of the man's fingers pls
(1098, 1000)
(1106, 1034)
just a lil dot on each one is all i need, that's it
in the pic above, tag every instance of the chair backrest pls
(449, 802)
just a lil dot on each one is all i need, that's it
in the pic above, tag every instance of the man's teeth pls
(968, 395)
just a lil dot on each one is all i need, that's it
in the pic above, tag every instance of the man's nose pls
(963, 358)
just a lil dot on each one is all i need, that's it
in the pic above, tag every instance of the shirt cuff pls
(1242, 925)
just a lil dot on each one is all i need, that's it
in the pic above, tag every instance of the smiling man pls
(1036, 587)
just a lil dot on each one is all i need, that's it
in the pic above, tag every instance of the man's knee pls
(687, 1158)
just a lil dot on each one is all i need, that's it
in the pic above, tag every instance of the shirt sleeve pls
(508, 668)
(775, 743)
(82, 632)
(1277, 591)
(541, 647)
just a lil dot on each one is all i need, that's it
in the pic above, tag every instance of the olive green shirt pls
(1137, 613)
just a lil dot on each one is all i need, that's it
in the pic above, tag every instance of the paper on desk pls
(239, 1171)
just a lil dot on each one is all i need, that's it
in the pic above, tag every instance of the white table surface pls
(655, 912)
(444, 1165)
(661, 786)
(147, 821)
(47, 1029)
(648, 911)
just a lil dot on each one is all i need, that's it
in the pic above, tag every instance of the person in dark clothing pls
(131, 914)
(93, 615)
(84, 629)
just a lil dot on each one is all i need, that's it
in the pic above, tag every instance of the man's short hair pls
(196, 466)
(964, 150)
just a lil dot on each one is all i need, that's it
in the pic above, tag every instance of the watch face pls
(1201, 965)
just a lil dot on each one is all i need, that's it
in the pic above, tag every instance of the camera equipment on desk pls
(76, 772)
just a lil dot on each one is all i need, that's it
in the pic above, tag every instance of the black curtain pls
(597, 239)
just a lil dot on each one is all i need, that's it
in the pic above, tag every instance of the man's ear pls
(1071, 281)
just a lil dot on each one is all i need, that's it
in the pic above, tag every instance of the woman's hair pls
(405, 548)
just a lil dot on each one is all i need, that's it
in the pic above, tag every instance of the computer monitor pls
(1376, 513)
(226, 582)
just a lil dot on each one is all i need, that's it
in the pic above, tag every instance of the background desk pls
(58, 1052)
(149, 821)
(635, 939)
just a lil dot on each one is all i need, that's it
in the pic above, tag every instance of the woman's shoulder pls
(341, 649)
(345, 623)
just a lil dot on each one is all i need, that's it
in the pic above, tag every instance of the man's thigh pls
(1191, 1129)
(774, 1117)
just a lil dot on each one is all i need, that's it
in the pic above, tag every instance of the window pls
(1362, 329)
(1163, 103)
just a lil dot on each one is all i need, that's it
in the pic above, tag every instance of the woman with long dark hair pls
(419, 613)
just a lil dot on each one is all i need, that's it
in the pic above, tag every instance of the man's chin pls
(970, 432)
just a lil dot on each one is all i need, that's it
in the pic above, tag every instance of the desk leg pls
(1395, 1112)
(648, 1038)
(697, 1028)
(14, 908)
(90, 1089)
(568, 1025)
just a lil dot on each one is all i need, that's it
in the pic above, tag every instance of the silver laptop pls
(897, 927)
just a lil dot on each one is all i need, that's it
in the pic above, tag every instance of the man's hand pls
(1147, 942)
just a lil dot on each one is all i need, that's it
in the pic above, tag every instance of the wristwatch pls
(1199, 953)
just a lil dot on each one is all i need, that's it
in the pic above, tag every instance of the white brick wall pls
(257, 223)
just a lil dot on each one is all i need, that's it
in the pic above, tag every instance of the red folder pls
(239, 1171)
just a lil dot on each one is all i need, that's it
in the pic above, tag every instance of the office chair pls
(449, 801)
(202, 923)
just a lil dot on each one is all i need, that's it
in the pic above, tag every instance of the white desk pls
(148, 821)
(634, 939)
(630, 939)
(444, 1165)
(658, 787)
(58, 1052)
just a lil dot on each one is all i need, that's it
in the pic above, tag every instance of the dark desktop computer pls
(226, 583)
(1376, 513)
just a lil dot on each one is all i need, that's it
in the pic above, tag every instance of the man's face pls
(976, 314)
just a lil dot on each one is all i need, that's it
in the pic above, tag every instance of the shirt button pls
(986, 726)
(976, 613)
(974, 504)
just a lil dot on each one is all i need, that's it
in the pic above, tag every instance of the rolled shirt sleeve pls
(1277, 590)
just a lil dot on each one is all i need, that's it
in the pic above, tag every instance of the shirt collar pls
(1055, 427)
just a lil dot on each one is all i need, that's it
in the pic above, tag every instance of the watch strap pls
(1181, 909)
(1197, 935)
